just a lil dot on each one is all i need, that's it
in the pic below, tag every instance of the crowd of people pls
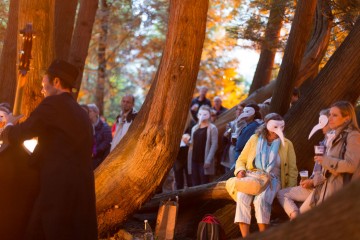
(80, 140)
(255, 140)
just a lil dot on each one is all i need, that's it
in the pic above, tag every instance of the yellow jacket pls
(288, 167)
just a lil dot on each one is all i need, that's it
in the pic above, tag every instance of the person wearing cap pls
(65, 204)
(253, 120)
(269, 151)
(288, 196)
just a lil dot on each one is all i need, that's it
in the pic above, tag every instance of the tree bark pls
(294, 52)
(9, 56)
(269, 45)
(65, 12)
(144, 156)
(338, 80)
(315, 52)
(318, 44)
(81, 37)
(102, 61)
(41, 14)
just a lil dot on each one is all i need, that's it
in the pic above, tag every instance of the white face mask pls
(323, 121)
(277, 127)
(247, 112)
(203, 115)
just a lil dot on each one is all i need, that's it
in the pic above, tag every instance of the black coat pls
(19, 187)
(65, 206)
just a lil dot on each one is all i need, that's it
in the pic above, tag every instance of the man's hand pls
(12, 119)
(241, 174)
(307, 183)
(206, 165)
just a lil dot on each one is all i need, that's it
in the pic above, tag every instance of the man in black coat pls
(65, 205)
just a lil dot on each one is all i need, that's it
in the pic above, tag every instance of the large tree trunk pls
(81, 37)
(269, 45)
(65, 12)
(294, 51)
(132, 172)
(314, 54)
(318, 43)
(41, 14)
(338, 80)
(101, 79)
(9, 56)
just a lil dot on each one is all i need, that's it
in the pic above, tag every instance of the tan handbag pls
(254, 182)
(166, 220)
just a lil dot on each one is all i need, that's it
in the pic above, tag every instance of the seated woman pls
(203, 145)
(288, 196)
(341, 162)
(268, 150)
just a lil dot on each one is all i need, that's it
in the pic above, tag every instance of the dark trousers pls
(180, 169)
(198, 175)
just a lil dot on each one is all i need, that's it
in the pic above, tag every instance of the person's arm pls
(33, 125)
(213, 143)
(244, 136)
(240, 165)
(351, 159)
(293, 171)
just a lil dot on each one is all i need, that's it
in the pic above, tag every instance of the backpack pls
(209, 228)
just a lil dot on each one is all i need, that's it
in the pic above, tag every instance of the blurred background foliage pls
(136, 32)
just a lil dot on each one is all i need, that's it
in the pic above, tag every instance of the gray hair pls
(93, 107)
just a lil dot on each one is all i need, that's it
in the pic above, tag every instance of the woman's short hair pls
(93, 107)
(325, 112)
(347, 109)
(262, 130)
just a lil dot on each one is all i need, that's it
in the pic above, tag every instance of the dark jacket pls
(18, 190)
(65, 205)
(244, 136)
(103, 140)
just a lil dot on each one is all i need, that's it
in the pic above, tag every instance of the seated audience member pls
(253, 120)
(102, 136)
(288, 196)
(199, 101)
(267, 150)
(203, 145)
(124, 119)
(341, 161)
(231, 134)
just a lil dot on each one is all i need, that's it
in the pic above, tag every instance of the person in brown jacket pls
(341, 162)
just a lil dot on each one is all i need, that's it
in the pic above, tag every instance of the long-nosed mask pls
(247, 112)
(323, 121)
(277, 126)
(203, 115)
